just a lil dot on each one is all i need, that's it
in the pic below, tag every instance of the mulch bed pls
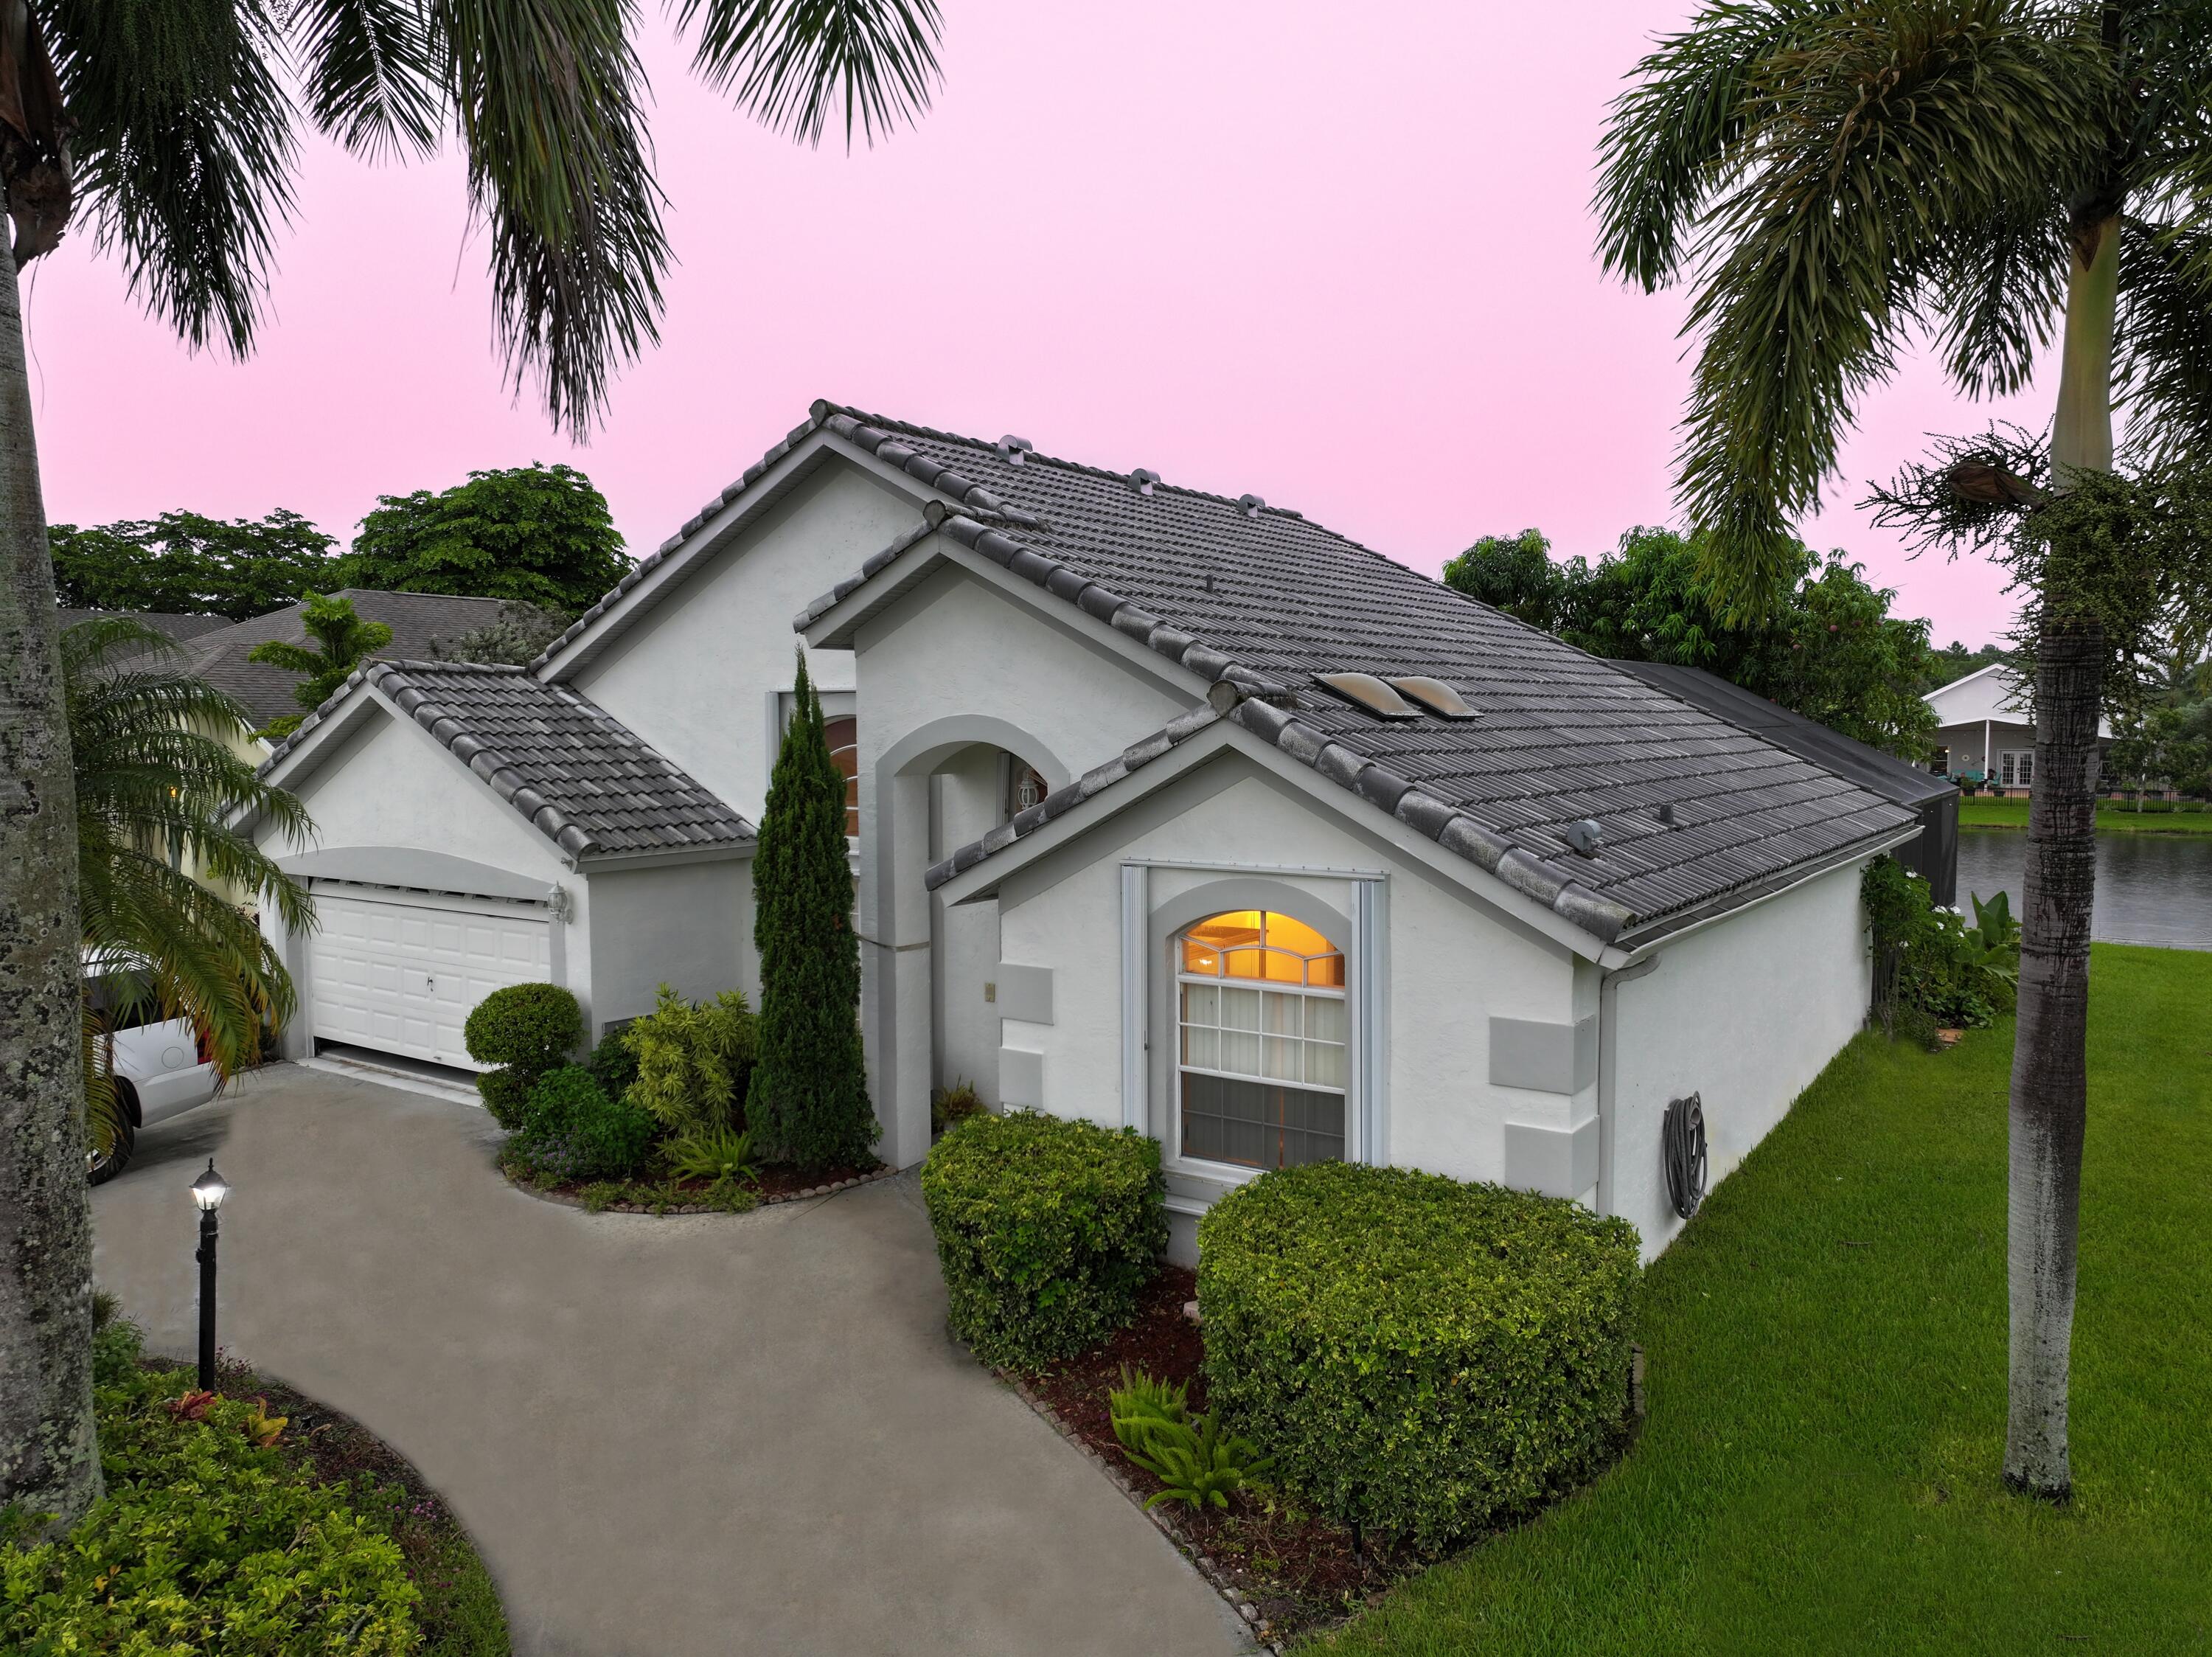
(1296, 1570)
(459, 1611)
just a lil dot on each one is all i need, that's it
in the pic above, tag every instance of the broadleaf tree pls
(1837, 181)
(538, 535)
(184, 563)
(807, 1102)
(171, 131)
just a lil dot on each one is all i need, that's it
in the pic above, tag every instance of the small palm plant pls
(343, 641)
(157, 787)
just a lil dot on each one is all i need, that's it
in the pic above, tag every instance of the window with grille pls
(2016, 768)
(844, 734)
(1263, 1067)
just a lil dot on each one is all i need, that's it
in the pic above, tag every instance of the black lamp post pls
(208, 1192)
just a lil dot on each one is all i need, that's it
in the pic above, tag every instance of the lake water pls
(2151, 888)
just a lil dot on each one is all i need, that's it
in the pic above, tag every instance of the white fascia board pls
(821, 447)
(836, 627)
(983, 880)
(614, 862)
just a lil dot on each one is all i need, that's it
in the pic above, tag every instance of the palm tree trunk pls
(2050, 1064)
(49, 1461)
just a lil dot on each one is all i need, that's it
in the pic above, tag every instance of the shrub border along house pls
(1423, 1359)
(1047, 1230)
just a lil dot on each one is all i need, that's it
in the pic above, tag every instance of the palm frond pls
(2162, 350)
(547, 93)
(1867, 154)
(2001, 289)
(793, 62)
(370, 74)
(185, 152)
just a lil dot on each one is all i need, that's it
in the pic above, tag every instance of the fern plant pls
(1141, 1404)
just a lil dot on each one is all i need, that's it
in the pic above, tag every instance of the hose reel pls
(1682, 1147)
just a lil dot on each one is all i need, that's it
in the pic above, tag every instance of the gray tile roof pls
(584, 779)
(417, 620)
(177, 629)
(1233, 588)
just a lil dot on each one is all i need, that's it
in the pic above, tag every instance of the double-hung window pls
(1263, 1069)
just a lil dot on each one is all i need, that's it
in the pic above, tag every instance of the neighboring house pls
(1985, 729)
(1171, 809)
(417, 620)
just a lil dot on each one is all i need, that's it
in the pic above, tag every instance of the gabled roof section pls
(582, 777)
(824, 416)
(1236, 590)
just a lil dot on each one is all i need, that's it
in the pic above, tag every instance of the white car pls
(160, 1065)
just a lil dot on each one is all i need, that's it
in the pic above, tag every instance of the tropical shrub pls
(208, 1539)
(948, 1106)
(613, 1062)
(573, 1129)
(1423, 1358)
(526, 1029)
(691, 1059)
(1932, 970)
(1048, 1231)
(809, 1095)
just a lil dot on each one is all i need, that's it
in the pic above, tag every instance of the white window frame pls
(2016, 768)
(1150, 1099)
(1180, 980)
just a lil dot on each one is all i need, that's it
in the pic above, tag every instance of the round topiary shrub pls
(1048, 1231)
(505, 1094)
(1423, 1358)
(529, 1027)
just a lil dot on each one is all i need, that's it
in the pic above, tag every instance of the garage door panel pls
(403, 978)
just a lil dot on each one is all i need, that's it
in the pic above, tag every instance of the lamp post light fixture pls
(208, 1192)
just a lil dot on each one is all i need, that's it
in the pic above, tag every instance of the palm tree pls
(1837, 178)
(177, 125)
(343, 641)
(157, 785)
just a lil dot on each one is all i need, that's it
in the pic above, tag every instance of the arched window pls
(1263, 1068)
(844, 736)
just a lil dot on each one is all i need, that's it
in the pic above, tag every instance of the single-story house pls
(1985, 729)
(1170, 809)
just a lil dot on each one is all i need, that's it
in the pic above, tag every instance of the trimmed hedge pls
(1423, 1359)
(527, 1029)
(1048, 1231)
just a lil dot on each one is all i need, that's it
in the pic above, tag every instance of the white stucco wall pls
(390, 784)
(950, 674)
(698, 675)
(1452, 964)
(688, 925)
(1744, 1013)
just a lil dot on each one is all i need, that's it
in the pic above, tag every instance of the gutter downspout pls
(1607, 1090)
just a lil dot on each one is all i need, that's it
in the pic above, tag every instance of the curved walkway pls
(675, 1436)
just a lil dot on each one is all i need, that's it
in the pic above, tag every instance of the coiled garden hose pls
(1682, 1145)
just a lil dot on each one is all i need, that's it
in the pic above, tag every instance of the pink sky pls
(1340, 256)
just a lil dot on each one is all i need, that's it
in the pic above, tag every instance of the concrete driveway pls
(708, 1433)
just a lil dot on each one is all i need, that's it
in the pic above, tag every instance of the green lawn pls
(1826, 1350)
(1981, 811)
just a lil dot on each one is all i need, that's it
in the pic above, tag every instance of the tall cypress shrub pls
(808, 1100)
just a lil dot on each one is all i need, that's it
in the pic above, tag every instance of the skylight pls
(1438, 697)
(1366, 691)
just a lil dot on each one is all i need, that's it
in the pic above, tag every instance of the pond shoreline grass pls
(1826, 1380)
(2112, 817)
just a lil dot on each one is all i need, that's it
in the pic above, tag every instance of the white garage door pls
(403, 978)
